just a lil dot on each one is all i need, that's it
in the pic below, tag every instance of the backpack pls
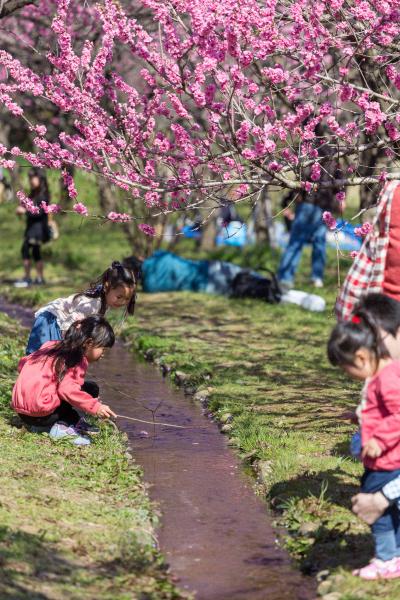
(248, 285)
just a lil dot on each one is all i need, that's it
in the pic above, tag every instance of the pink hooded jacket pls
(38, 393)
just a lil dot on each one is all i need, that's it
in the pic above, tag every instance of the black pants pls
(65, 412)
(28, 248)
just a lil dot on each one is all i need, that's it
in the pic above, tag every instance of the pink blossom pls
(147, 229)
(27, 203)
(341, 197)
(80, 209)
(354, 254)
(329, 220)
(315, 172)
(119, 217)
(50, 208)
(363, 230)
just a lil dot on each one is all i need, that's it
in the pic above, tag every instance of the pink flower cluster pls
(27, 203)
(147, 229)
(329, 220)
(119, 217)
(80, 209)
(363, 230)
(265, 92)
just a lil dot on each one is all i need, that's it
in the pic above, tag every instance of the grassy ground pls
(263, 372)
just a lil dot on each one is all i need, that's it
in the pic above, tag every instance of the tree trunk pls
(108, 196)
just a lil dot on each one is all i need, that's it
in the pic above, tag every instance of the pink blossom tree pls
(213, 96)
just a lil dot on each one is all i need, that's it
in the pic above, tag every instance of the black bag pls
(247, 285)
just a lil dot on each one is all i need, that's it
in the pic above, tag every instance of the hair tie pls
(116, 264)
(356, 319)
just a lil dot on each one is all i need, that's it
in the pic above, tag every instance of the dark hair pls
(362, 331)
(71, 349)
(112, 277)
(42, 193)
(134, 264)
(384, 310)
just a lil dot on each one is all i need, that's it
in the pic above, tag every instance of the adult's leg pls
(26, 256)
(37, 257)
(318, 257)
(300, 234)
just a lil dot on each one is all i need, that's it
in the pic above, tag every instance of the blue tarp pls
(167, 272)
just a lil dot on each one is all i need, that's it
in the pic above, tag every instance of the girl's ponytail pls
(362, 331)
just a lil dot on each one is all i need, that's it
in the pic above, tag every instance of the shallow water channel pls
(215, 533)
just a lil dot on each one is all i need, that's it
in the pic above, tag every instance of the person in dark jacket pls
(36, 230)
(309, 228)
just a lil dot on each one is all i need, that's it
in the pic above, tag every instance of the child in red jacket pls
(358, 347)
(50, 385)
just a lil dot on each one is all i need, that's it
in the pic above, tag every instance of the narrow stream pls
(215, 533)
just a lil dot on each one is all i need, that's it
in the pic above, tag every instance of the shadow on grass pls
(31, 568)
(324, 533)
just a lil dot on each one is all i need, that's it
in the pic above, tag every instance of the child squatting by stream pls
(358, 347)
(50, 386)
(115, 288)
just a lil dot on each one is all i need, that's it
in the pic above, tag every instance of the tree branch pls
(9, 6)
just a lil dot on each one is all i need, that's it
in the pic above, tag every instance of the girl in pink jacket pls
(358, 347)
(50, 385)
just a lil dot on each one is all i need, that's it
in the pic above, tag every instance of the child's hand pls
(371, 449)
(105, 412)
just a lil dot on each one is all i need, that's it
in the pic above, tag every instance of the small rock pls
(308, 528)
(149, 354)
(324, 588)
(189, 390)
(202, 396)
(249, 456)
(226, 418)
(322, 575)
(264, 468)
(234, 442)
(128, 455)
(226, 428)
(165, 369)
(181, 377)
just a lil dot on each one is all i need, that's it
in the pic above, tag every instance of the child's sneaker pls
(380, 569)
(83, 426)
(60, 431)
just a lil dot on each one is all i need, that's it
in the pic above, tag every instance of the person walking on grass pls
(358, 347)
(50, 387)
(115, 288)
(309, 228)
(37, 229)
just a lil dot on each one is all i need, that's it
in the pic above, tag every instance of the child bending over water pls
(115, 288)
(358, 347)
(49, 386)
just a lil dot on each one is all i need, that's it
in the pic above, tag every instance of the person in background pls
(36, 230)
(309, 228)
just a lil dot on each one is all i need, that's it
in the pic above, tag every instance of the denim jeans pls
(307, 228)
(386, 529)
(45, 329)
